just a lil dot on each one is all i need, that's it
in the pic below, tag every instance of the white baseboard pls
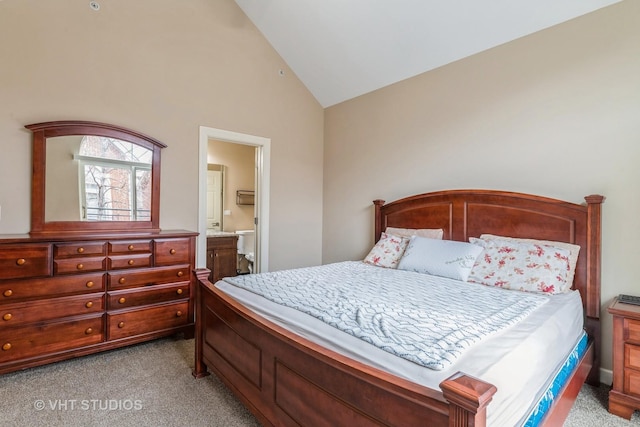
(606, 376)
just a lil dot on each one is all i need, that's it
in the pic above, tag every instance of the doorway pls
(261, 200)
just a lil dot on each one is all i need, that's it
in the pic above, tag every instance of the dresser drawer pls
(146, 277)
(30, 341)
(117, 262)
(117, 300)
(79, 265)
(138, 322)
(50, 309)
(129, 246)
(29, 260)
(632, 382)
(51, 286)
(172, 251)
(68, 250)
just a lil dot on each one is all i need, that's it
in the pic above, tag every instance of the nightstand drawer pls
(632, 356)
(632, 382)
(632, 330)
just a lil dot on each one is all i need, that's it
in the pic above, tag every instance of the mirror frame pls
(42, 131)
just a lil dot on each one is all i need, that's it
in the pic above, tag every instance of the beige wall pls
(556, 114)
(239, 174)
(163, 68)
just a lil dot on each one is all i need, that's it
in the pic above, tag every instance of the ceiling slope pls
(341, 49)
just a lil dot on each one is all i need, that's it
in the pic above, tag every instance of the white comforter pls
(519, 360)
(412, 315)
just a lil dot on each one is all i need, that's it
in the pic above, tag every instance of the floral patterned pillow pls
(527, 267)
(388, 251)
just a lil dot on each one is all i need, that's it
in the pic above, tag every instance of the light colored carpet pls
(151, 385)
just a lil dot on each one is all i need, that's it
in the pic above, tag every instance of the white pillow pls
(523, 266)
(388, 251)
(432, 233)
(574, 251)
(446, 258)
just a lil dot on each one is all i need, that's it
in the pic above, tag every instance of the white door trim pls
(263, 145)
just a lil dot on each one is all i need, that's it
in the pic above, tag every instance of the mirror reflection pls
(97, 178)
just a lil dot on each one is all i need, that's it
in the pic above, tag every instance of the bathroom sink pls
(215, 233)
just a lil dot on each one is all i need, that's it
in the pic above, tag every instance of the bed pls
(290, 378)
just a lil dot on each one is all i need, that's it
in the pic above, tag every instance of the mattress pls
(520, 361)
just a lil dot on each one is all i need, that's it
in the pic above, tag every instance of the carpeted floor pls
(151, 385)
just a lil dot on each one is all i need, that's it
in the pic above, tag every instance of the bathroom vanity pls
(222, 258)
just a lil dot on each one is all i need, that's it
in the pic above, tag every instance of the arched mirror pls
(90, 176)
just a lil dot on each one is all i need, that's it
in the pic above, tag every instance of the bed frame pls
(287, 380)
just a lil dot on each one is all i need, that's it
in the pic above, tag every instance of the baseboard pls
(606, 376)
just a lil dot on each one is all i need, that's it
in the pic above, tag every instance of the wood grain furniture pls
(81, 283)
(67, 296)
(222, 257)
(624, 397)
(285, 379)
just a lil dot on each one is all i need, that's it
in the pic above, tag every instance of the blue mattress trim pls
(557, 384)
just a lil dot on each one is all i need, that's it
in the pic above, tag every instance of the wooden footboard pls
(286, 380)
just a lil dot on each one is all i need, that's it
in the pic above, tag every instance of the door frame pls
(263, 161)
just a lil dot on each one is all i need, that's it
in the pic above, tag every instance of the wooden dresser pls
(624, 397)
(222, 257)
(68, 295)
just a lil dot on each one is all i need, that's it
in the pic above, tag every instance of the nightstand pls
(624, 397)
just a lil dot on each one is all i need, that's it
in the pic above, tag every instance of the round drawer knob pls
(7, 293)
(178, 313)
(6, 346)
(88, 331)
(180, 273)
(89, 304)
(122, 300)
(172, 251)
(179, 292)
(7, 316)
(121, 325)
(80, 266)
(121, 280)
(130, 247)
(21, 261)
(130, 262)
(90, 284)
(80, 250)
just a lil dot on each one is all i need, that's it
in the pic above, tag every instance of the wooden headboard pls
(470, 213)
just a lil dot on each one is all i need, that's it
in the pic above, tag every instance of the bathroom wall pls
(239, 162)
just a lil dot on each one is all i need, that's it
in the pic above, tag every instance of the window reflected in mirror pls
(97, 178)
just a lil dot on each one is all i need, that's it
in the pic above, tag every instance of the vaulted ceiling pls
(341, 49)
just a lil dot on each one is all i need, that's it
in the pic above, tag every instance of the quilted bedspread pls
(428, 320)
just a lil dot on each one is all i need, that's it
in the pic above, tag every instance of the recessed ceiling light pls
(94, 5)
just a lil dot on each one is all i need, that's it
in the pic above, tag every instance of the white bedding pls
(518, 360)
